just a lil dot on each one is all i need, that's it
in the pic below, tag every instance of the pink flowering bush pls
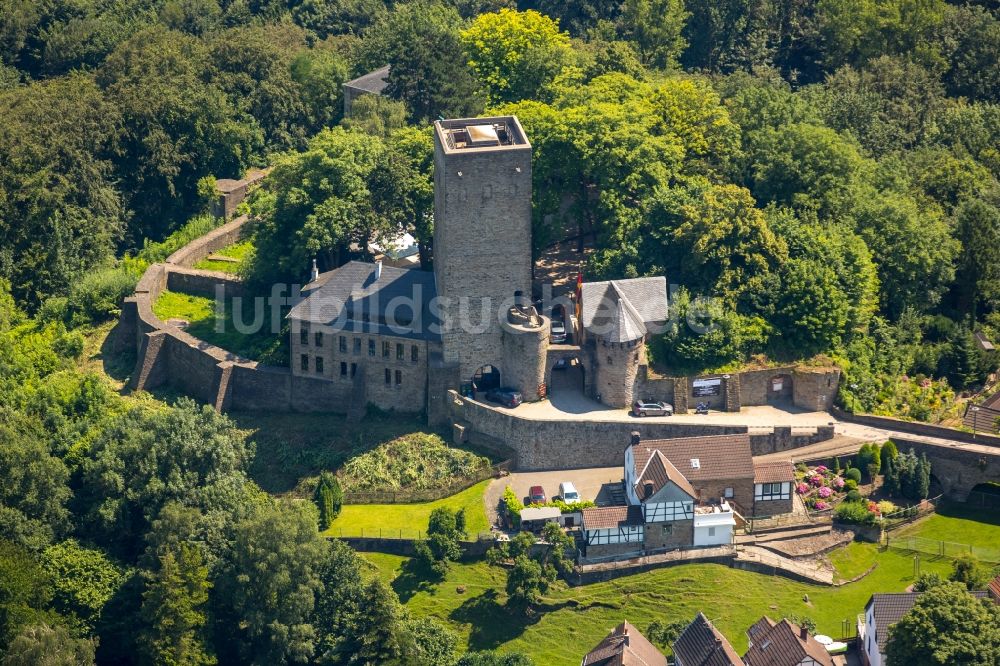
(802, 489)
(822, 506)
(838, 483)
(825, 492)
(821, 469)
(816, 480)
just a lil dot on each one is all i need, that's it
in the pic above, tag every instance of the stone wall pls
(524, 358)
(680, 536)
(772, 507)
(167, 355)
(616, 370)
(916, 428)
(566, 444)
(709, 491)
(786, 438)
(613, 550)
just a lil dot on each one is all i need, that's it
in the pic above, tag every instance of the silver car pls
(557, 332)
(643, 408)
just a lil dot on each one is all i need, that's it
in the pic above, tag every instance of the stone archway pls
(486, 378)
(779, 388)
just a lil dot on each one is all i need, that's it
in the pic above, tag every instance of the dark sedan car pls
(507, 397)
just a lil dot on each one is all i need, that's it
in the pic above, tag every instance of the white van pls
(568, 493)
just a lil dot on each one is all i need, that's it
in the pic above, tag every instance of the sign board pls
(777, 384)
(706, 387)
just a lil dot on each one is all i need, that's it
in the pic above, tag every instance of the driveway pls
(587, 481)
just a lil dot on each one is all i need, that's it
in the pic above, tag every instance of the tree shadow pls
(493, 623)
(413, 579)
(117, 356)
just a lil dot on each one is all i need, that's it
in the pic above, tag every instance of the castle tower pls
(482, 233)
(619, 351)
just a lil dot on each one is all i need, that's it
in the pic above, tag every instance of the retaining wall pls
(916, 428)
(539, 445)
(167, 355)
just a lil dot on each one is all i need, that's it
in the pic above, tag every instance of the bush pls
(415, 461)
(196, 227)
(329, 498)
(853, 496)
(850, 485)
(512, 504)
(853, 474)
(97, 296)
(856, 513)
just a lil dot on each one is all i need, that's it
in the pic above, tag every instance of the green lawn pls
(572, 620)
(409, 519)
(237, 251)
(200, 312)
(955, 523)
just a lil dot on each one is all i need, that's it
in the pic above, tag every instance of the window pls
(729, 493)
(343, 344)
(668, 528)
(304, 362)
(388, 376)
(414, 353)
(385, 348)
(357, 345)
(609, 361)
(711, 531)
(354, 369)
(399, 377)
(371, 346)
(400, 353)
(319, 339)
(773, 491)
(343, 368)
(319, 365)
(304, 336)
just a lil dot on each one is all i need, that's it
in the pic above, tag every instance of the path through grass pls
(238, 251)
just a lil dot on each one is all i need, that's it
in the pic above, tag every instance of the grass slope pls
(200, 312)
(408, 520)
(958, 524)
(572, 620)
(237, 251)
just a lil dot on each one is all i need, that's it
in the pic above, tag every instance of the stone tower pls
(482, 234)
(619, 350)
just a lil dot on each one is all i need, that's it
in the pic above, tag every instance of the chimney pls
(647, 490)
(314, 273)
(378, 270)
(636, 438)
(804, 633)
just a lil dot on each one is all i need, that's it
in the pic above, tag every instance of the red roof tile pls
(624, 646)
(718, 457)
(610, 517)
(773, 472)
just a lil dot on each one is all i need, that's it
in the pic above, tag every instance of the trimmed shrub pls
(853, 496)
(329, 498)
(853, 474)
(850, 485)
(855, 513)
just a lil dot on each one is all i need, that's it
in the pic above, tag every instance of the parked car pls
(557, 332)
(507, 397)
(568, 492)
(536, 495)
(647, 408)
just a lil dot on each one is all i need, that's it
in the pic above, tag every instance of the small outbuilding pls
(533, 520)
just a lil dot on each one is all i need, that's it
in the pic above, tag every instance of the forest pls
(820, 177)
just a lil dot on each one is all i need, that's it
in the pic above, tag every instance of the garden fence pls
(404, 496)
(908, 515)
(949, 549)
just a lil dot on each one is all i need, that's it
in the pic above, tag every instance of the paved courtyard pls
(572, 405)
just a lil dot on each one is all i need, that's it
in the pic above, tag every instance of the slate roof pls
(773, 472)
(719, 456)
(373, 82)
(624, 646)
(701, 644)
(659, 471)
(351, 298)
(890, 608)
(782, 644)
(611, 517)
(621, 310)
